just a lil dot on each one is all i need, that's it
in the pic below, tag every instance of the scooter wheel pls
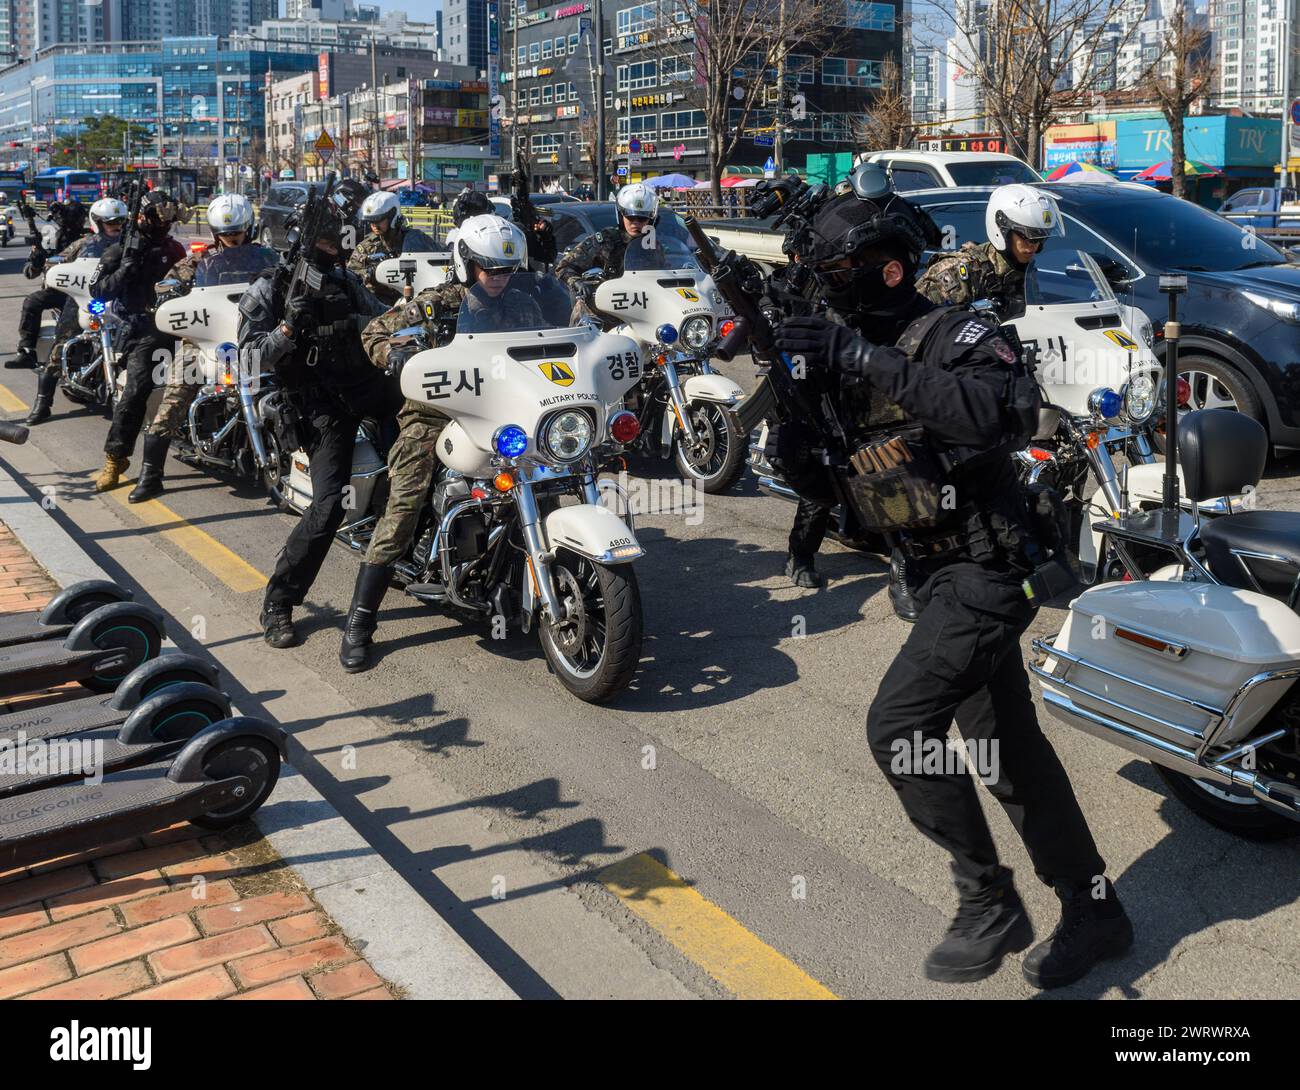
(138, 635)
(255, 758)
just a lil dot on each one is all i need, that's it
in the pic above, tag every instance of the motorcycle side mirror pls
(1115, 272)
(166, 285)
(291, 237)
(593, 276)
(409, 332)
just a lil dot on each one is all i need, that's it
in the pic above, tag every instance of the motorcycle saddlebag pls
(1181, 661)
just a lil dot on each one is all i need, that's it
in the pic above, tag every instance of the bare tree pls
(721, 56)
(587, 131)
(887, 121)
(1031, 60)
(1180, 75)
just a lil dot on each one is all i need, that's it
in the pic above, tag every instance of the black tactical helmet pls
(348, 196)
(848, 224)
(159, 211)
(470, 202)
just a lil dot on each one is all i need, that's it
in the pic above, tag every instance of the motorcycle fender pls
(717, 388)
(594, 532)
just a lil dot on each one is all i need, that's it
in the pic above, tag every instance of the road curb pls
(396, 930)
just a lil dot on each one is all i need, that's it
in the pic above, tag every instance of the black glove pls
(398, 354)
(297, 313)
(584, 291)
(823, 343)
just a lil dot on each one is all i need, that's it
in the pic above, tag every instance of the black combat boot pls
(372, 582)
(990, 923)
(277, 624)
(46, 384)
(900, 587)
(1092, 929)
(24, 356)
(150, 481)
(802, 573)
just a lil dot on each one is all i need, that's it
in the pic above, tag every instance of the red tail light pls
(726, 327)
(1038, 454)
(624, 427)
(198, 247)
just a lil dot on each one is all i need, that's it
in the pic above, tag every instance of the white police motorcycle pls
(515, 526)
(668, 304)
(88, 371)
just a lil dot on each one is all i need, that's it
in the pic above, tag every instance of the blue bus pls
(59, 183)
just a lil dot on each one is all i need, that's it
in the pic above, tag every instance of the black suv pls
(283, 199)
(1240, 344)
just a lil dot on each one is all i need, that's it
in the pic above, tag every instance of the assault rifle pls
(297, 275)
(541, 244)
(130, 229)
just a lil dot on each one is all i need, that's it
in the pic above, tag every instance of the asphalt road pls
(737, 760)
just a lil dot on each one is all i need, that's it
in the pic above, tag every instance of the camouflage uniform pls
(172, 417)
(603, 250)
(976, 271)
(405, 241)
(413, 457)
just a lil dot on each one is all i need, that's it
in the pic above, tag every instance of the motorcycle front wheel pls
(1243, 815)
(595, 650)
(718, 459)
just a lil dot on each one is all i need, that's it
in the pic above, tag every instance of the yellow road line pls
(10, 402)
(738, 960)
(228, 566)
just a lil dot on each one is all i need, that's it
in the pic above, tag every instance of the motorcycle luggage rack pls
(1218, 717)
(1157, 530)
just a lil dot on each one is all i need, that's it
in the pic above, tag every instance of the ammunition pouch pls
(896, 482)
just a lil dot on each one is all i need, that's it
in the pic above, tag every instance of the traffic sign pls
(764, 140)
(770, 164)
(634, 158)
(622, 172)
(634, 145)
(1295, 112)
(324, 145)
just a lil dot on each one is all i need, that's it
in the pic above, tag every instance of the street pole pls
(514, 81)
(777, 156)
(602, 181)
(411, 171)
(374, 112)
(1285, 34)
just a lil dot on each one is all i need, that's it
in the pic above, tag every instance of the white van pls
(945, 169)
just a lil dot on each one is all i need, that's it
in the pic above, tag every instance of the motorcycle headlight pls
(568, 435)
(1139, 398)
(696, 332)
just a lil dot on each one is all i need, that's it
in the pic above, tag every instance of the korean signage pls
(493, 72)
(572, 9)
(466, 170)
(1091, 143)
(974, 142)
(655, 100)
(323, 74)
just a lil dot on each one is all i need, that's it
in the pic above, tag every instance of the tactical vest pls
(901, 484)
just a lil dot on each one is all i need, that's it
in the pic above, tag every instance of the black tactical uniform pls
(322, 362)
(963, 383)
(126, 277)
(70, 218)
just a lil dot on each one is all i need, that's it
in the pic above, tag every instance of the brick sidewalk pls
(178, 914)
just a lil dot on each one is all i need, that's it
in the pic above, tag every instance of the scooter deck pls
(30, 666)
(58, 820)
(71, 717)
(21, 627)
(113, 756)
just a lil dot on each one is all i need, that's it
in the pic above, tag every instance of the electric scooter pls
(93, 712)
(220, 776)
(62, 613)
(156, 729)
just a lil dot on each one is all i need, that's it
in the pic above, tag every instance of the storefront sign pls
(323, 74)
(1090, 143)
(572, 9)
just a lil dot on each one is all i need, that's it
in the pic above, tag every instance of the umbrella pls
(670, 181)
(1079, 172)
(733, 180)
(1163, 171)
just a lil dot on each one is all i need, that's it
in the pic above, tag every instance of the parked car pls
(283, 198)
(1240, 317)
(1263, 209)
(928, 169)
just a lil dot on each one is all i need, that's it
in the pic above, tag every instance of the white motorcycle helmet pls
(1023, 209)
(229, 213)
(489, 242)
(638, 199)
(107, 210)
(380, 205)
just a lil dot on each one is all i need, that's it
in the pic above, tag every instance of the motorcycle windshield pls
(1066, 276)
(235, 265)
(516, 303)
(665, 245)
